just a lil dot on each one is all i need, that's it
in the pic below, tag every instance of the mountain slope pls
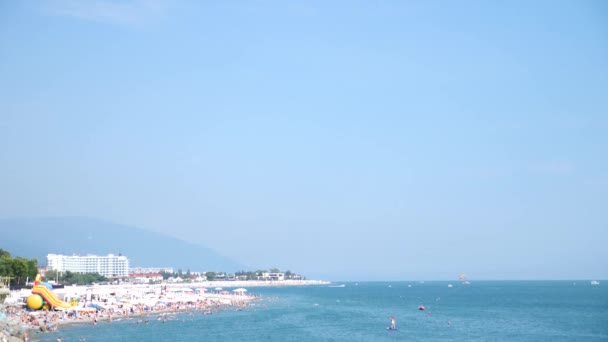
(37, 237)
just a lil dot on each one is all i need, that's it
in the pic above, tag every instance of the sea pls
(350, 311)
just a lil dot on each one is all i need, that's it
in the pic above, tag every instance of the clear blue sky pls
(341, 139)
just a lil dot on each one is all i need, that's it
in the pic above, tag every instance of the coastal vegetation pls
(70, 278)
(270, 274)
(256, 275)
(179, 273)
(211, 275)
(17, 269)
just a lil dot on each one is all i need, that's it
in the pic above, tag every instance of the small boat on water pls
(450, 285)
(595, 282)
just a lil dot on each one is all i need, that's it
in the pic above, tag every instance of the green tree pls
(211, 276)
(50, 275)
(82, 278)
(5, 266)
(19, 269)
(32, 268)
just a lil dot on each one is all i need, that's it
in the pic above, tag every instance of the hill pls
(37, 237)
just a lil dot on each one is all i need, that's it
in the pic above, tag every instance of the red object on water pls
(421, 307)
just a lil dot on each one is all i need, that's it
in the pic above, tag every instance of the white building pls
(106, 265)
(272, 276)
(150, 269)
(145, 278)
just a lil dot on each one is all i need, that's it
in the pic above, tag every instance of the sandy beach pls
(140, 303)
(17, 322)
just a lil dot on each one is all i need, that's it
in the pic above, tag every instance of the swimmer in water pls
(393, 327)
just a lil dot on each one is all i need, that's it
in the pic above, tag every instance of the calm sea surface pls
(482, 311)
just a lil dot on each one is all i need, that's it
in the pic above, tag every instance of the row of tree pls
(18, 269)
(212, 275)
(253, 275)
(69, 278)
(179, 273)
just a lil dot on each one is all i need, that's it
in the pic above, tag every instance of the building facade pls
(280, 276)
(107, 265)
(150, 269)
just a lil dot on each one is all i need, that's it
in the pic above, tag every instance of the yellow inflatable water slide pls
(43, 298)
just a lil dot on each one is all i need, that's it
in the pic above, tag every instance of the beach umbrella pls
(240, 290)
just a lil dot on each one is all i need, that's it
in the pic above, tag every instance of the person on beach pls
(393, 326)
(26, 336)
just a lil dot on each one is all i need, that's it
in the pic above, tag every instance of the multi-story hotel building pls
(107, 265)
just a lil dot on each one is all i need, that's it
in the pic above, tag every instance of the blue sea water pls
(482, 311)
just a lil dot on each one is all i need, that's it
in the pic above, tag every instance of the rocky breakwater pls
(11, 329)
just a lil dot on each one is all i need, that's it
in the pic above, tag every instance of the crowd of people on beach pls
(49, 321)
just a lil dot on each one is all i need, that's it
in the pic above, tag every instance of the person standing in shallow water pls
(393, 326)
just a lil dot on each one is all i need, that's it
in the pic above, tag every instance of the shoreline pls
(127, 302)
(39, 323)
(248, 283)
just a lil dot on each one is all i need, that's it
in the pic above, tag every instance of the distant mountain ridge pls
(37, 237)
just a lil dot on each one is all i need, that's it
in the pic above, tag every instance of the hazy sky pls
(341, 139)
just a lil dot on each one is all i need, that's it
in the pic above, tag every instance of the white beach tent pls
(240, 290)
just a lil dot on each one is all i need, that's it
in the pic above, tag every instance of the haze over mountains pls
(37, 237)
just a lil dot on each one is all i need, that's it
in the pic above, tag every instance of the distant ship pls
(595, 282)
